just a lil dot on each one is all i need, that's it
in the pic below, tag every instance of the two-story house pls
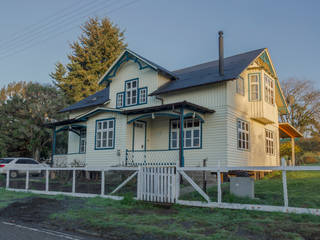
(225, 111)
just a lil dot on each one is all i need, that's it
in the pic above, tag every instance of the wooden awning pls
(286, 130)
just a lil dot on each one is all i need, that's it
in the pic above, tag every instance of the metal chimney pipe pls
(221, 54)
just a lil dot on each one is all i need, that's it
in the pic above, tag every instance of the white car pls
(20, 165)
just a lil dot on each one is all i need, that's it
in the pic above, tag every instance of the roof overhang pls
(286, 130)
(143, 63)
(169, 106)
(62, 123)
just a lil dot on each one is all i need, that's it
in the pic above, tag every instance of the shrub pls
(310, 160)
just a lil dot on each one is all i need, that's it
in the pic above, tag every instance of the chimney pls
(221, 57)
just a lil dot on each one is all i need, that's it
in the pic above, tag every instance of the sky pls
(35, 34)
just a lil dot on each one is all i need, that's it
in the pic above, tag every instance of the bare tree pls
(304, 105)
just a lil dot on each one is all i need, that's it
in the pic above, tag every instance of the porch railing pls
(67, 160)
(151, 157)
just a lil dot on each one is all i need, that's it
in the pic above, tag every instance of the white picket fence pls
(162, 184)
(157, 184)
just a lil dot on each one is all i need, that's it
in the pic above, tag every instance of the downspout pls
(161, 99)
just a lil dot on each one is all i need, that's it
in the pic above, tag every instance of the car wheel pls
(14, 174)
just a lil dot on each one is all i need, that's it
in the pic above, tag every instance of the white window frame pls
(191, 128)
(269, 142)
(254, 93)
(83, 140)
(105, 132)
(243, 130)
(120, 100)
(269, 89)
(130, 90)
(240, 86)
(143, 95)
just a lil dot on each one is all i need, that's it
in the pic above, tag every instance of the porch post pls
(53, 145)
(293, 157)
(181, 140)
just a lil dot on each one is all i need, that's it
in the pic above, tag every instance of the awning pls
(286, 130)
(170, 106)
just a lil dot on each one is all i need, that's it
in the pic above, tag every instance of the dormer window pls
(132, 95)
(131, 92)
(254, 87)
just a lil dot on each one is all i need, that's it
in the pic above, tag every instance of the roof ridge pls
(198, 65)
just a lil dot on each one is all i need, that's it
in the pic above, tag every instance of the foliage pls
(94, 52)
(310, 144)
(285, 149)
(23, 114)
(309, 160)
(304, 105)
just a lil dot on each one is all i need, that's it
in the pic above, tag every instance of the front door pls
(139, 137)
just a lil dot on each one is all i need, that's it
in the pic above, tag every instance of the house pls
(225, 112)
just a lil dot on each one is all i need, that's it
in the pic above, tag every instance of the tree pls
(94, 52)
(304, 105)
(22, 119)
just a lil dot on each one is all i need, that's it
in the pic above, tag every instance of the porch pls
(160, 135)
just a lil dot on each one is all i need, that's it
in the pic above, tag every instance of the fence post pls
(284, 183)
(177, 188)
(102, 183)
(47, 180)
(219, 186)
(204, 176)
(8, 178)
(73, 181)
(27, 180)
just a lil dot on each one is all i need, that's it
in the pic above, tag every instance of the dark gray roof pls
(208, 73)
(96, 99)
(159, 68)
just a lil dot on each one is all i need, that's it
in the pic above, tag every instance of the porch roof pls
(61, 123)
(169, 106)
(286, 130)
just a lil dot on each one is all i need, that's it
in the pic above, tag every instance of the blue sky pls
(35, 34)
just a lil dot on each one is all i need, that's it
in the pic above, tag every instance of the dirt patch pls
(36, 210)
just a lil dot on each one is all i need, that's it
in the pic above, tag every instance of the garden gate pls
(157, 184)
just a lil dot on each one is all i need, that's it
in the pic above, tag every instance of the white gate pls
(157, 184)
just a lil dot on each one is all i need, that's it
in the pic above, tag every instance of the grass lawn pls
(129, 219)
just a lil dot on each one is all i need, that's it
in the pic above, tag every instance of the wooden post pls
(293, 157)
(47, 180)
(8, 178)
(27, 180)
(177, 188)
(219, 186)
(204, 177)
(284, 183)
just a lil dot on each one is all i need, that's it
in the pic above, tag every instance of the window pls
(269, 142)
(243, 135)
(83, 140)
(269, 89)
(142, 95)
(131, 92)
(105, 134)
(254, 87)
(26, 161)
(191, 132)
(120, 98)
(240, 85)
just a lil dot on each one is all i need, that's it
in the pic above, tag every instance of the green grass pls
(127, 218)
(269, 191)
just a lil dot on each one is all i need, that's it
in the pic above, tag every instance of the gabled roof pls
(96, 99)
(208, 73)
(127, 55)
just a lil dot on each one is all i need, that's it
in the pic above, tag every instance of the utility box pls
(242, 186)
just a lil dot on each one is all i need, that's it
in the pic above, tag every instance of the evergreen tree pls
(94, 52)
(22, 119)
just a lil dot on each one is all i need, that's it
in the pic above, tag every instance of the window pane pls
(110, 124)
(110, 141)
(110, 135)
(196, 142)
(196, 133)
(105, 125)
(189, 124)
(196, 123)
(188, 142)
(188, 134)
(134, 84)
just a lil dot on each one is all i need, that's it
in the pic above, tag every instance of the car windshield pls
(5, 160)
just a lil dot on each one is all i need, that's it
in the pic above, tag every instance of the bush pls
(310, 160)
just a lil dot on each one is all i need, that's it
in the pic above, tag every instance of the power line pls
(63, 21)
(66, 30)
